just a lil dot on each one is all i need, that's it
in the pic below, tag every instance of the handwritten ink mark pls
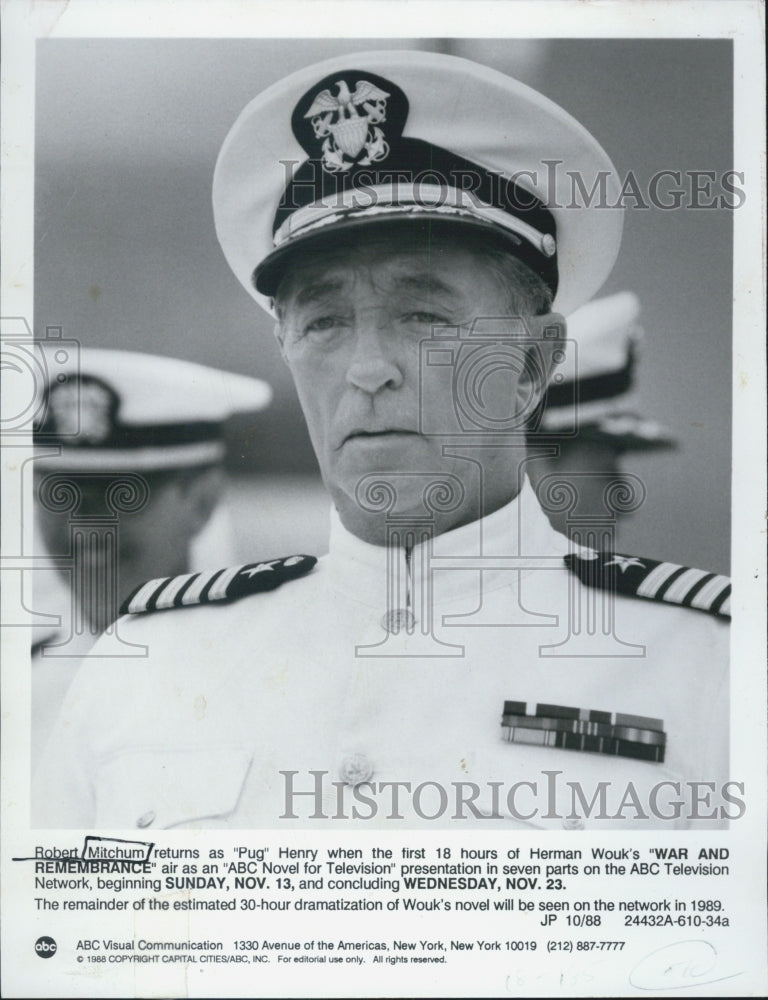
(677, 966)
(97, 851)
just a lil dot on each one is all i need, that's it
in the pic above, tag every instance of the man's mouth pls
(381, 434)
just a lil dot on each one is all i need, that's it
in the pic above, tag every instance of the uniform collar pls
(363, 571)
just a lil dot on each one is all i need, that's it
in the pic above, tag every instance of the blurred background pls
(127, 135)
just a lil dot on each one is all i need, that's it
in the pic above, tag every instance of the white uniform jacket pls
(305, 706)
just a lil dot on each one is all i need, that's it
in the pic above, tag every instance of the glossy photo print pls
(382, 468)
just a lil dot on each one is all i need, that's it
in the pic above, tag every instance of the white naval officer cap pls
(112, 410)
(416, 138)
(607, 334)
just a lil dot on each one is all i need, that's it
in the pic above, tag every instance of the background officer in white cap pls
(591, 421)
(392, 210)
(128, 478)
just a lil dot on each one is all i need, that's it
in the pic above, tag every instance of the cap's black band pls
(608, 386)
(126, 438)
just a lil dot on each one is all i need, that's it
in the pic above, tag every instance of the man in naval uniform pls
(588, 464)
(453, 659)
(129, 477)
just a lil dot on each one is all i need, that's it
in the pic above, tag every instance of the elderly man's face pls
(351, 327)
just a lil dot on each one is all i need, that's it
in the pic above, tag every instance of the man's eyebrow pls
(424, 282)
(317, 290)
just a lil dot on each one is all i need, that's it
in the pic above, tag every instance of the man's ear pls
(202, 494)
(547, 344)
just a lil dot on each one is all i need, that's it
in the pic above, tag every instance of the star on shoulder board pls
(218, 585)
(652, 579)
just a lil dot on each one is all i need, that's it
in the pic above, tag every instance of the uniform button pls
(146, 819)
(573, 823)
(395, 621)
(355, 769)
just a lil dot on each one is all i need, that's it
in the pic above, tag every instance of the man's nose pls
(374, 365)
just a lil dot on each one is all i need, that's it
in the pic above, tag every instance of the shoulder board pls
(215, 585)
(649, 578)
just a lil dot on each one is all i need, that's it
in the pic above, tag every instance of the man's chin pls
(373, 454)
(394, 480)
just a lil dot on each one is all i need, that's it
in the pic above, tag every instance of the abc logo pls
(45, 947)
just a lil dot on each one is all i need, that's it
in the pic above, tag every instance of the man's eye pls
(322, 323)
(425, 318)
